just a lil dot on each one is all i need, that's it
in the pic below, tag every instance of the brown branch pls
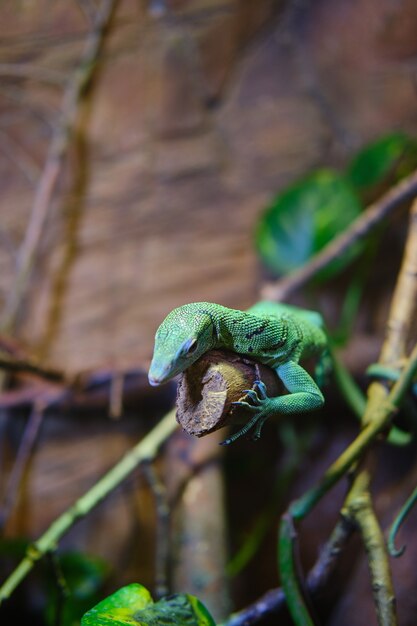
(401, 319)
(13, 364)
(358, 505)
(206, 392)
(116, 395)
(194, 477)
(146, 449)
(19, 157)
(24, 453)
(90, 391)
(88, 9)
(273, 602)
(359, 508)
(35, 72)
(208, 388)
(359, 229)
(401, 322)
(162, 543)
(54, 162)
(18, 96)
(20, 398)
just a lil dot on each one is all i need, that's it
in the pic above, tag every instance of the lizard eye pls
(192, 347)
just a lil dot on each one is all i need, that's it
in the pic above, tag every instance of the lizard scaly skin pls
(274, 334)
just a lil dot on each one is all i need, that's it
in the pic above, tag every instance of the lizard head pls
(184, 335)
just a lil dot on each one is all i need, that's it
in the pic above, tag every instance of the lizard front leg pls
(304, 396)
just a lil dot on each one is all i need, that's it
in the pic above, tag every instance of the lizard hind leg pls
(323, 369)
(245, 429)
(257, 434)
(258, 396)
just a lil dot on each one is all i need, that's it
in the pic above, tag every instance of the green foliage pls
(14, 547)
(309, 213)
(386, 160)
(83, 577)
(133, 606)
(304, 218)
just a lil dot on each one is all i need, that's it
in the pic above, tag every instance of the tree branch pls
(24, 452)
(208, 388)
(378, 411)
(53, 165)
(379, 420)
(359, 229)
(30, 366)
(145, 450)
(274, 600)
(359, 509)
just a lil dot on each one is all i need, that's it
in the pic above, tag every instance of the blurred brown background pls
(196, 118)
(200, 111)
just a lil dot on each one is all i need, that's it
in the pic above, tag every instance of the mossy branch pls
(379, 421)
(359, 510)
(290, 578)
(145, 450)
(274, 600)
(380, 408)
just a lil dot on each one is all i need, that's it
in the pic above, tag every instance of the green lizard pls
(275, 334)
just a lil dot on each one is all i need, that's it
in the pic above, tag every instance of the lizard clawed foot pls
(258, 396)
(257, 434)
(260, 399)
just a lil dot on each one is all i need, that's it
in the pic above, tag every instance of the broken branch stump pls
(208, 388)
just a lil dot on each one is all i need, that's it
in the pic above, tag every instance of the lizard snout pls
(153, 381)
(158, 375)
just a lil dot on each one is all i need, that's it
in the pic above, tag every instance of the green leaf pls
(181, 609)
(133, 606)
(119, 608)
(386, 160)
(304, 218)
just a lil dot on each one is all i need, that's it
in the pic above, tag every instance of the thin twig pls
(88, 9)
(35, 72)
(30, 366)
(380, 406)
(7, 243)
(53, 164)
(26, 447)
(297, 599)
(83, 391)
(19, 157)
(379, 420)
(145, 450)
(401, 322)
(358, 505)
(162, 547)
(116, 395)
(359, 229)
(44, 115)
(401, 516)
(400, 328)
(274, 600)
(63, 591)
